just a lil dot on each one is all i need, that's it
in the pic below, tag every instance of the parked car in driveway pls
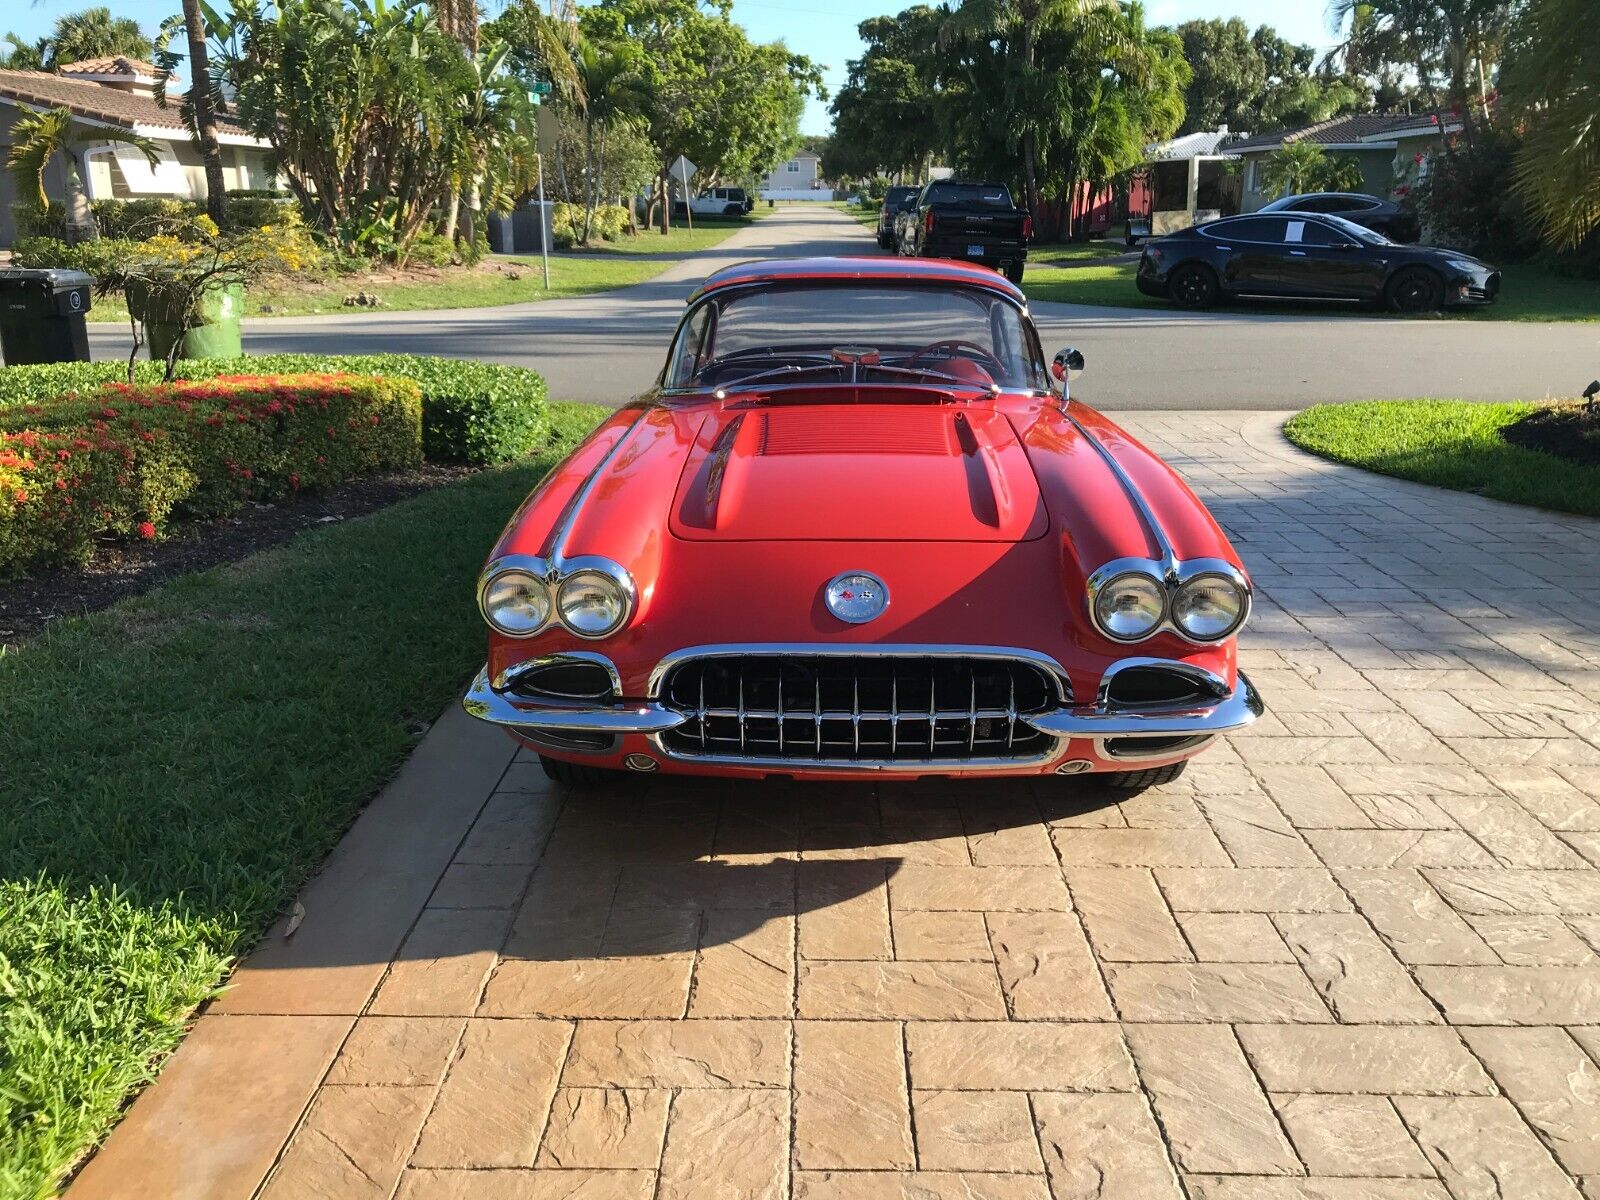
(895, 201)
(860, 530)
(1385, 216)
(1308, 257)
(974, 222)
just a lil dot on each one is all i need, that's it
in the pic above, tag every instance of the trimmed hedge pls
(125, 459)
(472, 412)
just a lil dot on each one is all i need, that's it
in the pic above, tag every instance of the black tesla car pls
(1387, 217)
(1308, 257)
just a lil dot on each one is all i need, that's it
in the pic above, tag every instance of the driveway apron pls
(1352, 954)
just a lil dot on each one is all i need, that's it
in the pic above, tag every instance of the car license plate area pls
(975, 251)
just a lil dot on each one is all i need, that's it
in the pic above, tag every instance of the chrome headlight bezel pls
(615, 580)
(552, 577)
(534, 584)
(1172, 576)
(1107, 581)
(1240, 590)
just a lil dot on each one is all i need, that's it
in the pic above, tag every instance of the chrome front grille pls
(859, 709)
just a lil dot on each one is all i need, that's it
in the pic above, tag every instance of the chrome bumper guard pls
(517, 712)
(1237, 709)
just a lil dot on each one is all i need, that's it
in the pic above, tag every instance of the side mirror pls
(1066, 366)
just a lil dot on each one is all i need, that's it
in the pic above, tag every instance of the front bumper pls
(1468, 289)
(1192, 725)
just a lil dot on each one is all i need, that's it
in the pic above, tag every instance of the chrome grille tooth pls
(894, 708)
(855, 710)
(780, 708)
(816, 701)
(703, 669)
(972, 708)
(1011, 706)
(741, 708)
(933, 705)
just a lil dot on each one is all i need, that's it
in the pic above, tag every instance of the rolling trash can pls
(42, 312)
(215, 332)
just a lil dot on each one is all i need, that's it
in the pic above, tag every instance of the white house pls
(119, 92)
(795, 179)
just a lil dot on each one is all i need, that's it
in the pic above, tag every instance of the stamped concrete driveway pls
(1354, 955)
(608, 347)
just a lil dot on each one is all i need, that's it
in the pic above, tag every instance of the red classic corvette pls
(857, 528)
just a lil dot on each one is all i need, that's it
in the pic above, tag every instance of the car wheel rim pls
(1191, 288)
(1415, 295)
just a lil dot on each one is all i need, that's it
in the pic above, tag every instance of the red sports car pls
(858, 528)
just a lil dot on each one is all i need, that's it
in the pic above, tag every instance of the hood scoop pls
(858, 473)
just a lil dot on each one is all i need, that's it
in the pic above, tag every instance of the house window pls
(1252, 179)
(792, 167)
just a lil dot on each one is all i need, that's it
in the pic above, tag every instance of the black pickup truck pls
(976, 222)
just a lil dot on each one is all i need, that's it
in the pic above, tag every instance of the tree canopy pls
(91, 33)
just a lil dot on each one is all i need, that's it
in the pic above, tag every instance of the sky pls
(824, 30)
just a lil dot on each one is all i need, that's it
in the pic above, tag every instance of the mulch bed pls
(1569, 431)
(122, 569)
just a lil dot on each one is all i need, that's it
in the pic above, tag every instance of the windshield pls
(943, 336)
(900, 196)
(985, 195)
(1370, 236)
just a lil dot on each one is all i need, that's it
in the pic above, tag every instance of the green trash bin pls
(42, 314)
(214, 335)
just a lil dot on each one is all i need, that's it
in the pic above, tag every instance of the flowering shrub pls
(122, 461)
(473, 412)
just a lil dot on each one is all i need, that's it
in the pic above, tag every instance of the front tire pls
(576, 775)
(1138, 781)
(1415, 290)
(1193, 286)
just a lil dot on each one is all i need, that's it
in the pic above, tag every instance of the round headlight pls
(592, 604)
(1209, 607)
(1130, 606)
(516, 603)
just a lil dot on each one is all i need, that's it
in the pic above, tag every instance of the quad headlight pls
(1130, 606)
(588, 596)
(1208, 607)
(592, 603)
(516, 603)
(1202, 600)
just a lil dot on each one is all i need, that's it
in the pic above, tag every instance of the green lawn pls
(604, 266)
(1449, 444)
(1054, 254)
(176, 766)
(1529, 293)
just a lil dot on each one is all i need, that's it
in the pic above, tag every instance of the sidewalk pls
(1354, 955)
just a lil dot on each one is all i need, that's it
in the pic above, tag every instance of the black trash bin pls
(42, 313)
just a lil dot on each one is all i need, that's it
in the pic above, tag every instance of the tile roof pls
(1341, 131)
(96, 103)
(111, 64)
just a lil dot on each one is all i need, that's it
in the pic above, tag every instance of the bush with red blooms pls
(122, 461)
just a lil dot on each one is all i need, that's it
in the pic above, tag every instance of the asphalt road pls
(609, 346)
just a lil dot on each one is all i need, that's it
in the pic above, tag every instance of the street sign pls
(540, 89)
(683, 169)
(549, 129)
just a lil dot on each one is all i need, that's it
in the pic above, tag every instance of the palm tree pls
(26, 56)
(1549, 81)
(613, 91)
(95, 33)
(36, 140)
(1018, 28)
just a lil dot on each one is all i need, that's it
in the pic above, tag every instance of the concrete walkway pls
(1354, 955)
(607, 347)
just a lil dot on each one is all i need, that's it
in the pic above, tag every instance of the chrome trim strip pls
(859, 650)
(487, 704)
(1209, 680)
(869, 766)
(1240, 707)
(1158, 535)
(507, 679)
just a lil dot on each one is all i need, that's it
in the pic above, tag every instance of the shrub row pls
(154, 216)
(566, 223)
(472, 412)
(123, 460)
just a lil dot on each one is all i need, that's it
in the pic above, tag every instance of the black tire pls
(1193, 286)
(1137, 781)
(733, 210)
(1414, 290)
(570, 774)
(885, 243)
(1014, 272)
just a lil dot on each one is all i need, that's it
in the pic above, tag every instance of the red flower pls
(146, 530)
(109, 414)
(21, 496)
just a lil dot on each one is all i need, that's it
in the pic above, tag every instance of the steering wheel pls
(954, 344)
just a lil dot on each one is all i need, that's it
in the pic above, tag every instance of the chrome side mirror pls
(1066, 366)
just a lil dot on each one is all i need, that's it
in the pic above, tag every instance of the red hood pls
(865, 472)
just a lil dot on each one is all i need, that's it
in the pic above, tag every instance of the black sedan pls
(895, 201)
(1306, 257)
(1385, 216)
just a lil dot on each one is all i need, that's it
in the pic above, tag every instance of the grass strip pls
(177, 765)
(1450, 444)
